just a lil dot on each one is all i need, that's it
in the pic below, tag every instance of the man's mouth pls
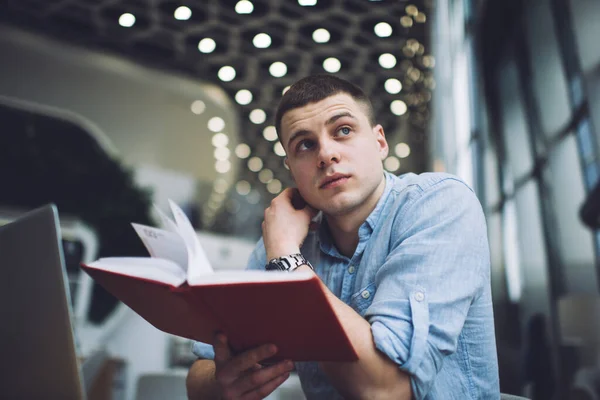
(334, 180)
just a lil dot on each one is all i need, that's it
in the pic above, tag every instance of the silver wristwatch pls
(287, 263)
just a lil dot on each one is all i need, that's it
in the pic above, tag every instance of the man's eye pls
(305, 145)
(345, 131)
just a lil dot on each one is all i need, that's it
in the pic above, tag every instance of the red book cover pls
(295, 315)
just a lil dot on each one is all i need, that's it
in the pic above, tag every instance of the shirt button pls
(419, 296)
(365, 294)
(351, 269)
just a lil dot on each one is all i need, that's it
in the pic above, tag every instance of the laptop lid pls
(37, 345)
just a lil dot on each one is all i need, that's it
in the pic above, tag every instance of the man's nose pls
(328, 153)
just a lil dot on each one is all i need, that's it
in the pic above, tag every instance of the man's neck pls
(344, 228)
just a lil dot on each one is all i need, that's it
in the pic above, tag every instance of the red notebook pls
(252, 308)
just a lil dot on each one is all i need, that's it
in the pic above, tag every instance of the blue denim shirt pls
(421, 276)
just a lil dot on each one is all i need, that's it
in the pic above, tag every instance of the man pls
(405, 260)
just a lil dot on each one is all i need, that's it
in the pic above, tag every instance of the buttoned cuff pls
(403, 337)
(203, 350)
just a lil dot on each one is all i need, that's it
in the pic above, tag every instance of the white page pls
(154, 269)
(249, 276)
(166, 222)
(163, 244)
(198, 264)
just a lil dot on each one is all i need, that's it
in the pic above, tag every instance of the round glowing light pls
(220, 140)
(255, 164)
(243, 97)
(198, 107)
(383, 29)
(406, 21)
(398, 107)
(261, 41)
(182, 13)
(253, 197)
(391, 164)
(233, 206)
(265, 175)
(307, 3)
(127, 20)
(332, 65)
(226, 73)
(402, 150)
(285, 89)
(243, 188)
(321, 35)
(278, 69)
(393, 86)
(242, 150)
(207, 45)
(222, 166)
(220, 186)
(216, 124)
(387, 60)
(274, 186)
(244, 7)
(257, 116)
(222, 153)
(429, 61)
(420, 18)
(270, 133)
(278, 149)
(412, 10)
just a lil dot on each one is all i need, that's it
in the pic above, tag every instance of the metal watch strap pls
(287, 263)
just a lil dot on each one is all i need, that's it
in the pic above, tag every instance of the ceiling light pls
(243, 187)
(421, 18)
(387, 60)
(182, 13)
(220, 140)
(222, 166)
(278, 69)
(274, 186)
(255, 164)
(242, 150)
(393, 86)
(428, 61)
(253, 197)
(127, 20)
(406, 21)
(391, 164)
(383, 29)
(261, 41)
(398, 107)
(278, 149)
(402, 150)
(265, 175)
(321, 35)
(222, 153)
(220, 185)
(306, 3)
(207, 45)
(244, 7)
(226, 73)
(216, 124)
(198, 107)
(332, 65)
(243, 97)
(412, 10)
(270, 133)
(258, 116)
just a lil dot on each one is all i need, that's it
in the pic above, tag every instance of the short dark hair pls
(314, 88)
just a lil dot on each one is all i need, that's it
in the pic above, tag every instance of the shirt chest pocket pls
(362, 299)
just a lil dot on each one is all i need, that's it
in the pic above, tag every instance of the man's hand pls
(242, 377)
(285, 227)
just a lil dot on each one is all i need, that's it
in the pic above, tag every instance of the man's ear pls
(285, 161)
(381, 141)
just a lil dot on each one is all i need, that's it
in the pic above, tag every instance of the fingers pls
(230, 367)
(222, 350)
(262, 382)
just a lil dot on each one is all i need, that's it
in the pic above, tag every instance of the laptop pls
(37, 345)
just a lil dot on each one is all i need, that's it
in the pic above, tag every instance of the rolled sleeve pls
(435, 269)
(203, 350)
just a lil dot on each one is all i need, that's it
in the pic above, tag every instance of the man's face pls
(334, 154)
